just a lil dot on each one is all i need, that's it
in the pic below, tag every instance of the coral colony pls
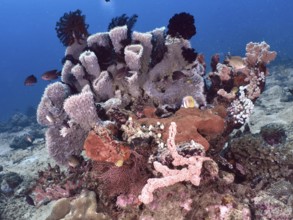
(135, 113)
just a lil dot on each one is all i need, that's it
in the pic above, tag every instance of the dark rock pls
(273, 134)
(27, 139)
(9, 182)
(22, 142)
(259, 163)
(13, 179)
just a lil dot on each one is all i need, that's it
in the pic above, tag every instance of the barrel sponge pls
(50, 110)
(81, 109)
(90, 61)
(173, 91)
(103, 87)
(101, 39)
(79, 74)
(145, 39)
(117, 35)
(61, 147)
(133, 55)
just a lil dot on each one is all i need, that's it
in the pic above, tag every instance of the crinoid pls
(182, 25)
(70, 27)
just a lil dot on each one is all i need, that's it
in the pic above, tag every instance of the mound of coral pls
(138, 122)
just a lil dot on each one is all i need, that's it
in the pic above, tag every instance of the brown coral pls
(192, 124)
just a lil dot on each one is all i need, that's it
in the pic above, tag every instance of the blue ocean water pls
(29, 44)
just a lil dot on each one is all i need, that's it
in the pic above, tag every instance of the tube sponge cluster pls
(133, 67)
(132, 70)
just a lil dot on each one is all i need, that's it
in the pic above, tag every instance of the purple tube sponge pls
(81, 109)
(50, 110)
(63, 145)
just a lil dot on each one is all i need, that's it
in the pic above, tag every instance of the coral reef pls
(121, 90)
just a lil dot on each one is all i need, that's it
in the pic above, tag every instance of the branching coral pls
(257, 53)
(71, 27)
(239, 81)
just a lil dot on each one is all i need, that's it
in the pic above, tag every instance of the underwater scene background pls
(29, 44)
(148, 110)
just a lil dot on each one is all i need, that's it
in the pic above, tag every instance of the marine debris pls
(121, 91)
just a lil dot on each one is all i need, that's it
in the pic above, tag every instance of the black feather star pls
(182, 25)
(70, 27)
(189, 54)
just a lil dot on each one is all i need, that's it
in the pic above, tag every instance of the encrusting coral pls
(121, 89)
(82, 207)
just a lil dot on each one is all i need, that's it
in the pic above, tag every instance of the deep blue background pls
(29, 44)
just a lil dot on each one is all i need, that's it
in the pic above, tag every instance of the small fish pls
(236, 62)
(189, 102)
(234, 90)
(30, 80)
(50, 118)
(29, 139)
(51, 74)
(73, 161)
(29, 200)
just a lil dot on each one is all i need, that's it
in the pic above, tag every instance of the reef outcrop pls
(121, 90)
